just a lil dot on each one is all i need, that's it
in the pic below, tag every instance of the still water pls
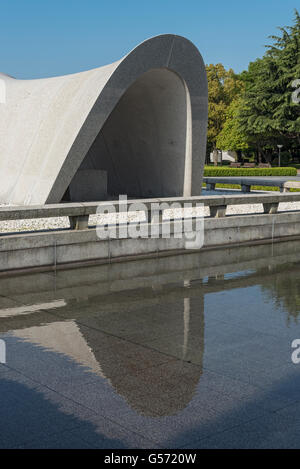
(191, 351)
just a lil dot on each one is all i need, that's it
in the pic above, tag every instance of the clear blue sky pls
(40, 38)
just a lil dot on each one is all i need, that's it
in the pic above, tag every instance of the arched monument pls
(135, 127)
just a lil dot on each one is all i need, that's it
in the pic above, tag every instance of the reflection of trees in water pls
(284, 290)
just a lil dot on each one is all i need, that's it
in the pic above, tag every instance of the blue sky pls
(40, 38)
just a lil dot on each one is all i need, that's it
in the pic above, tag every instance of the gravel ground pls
(63, 222)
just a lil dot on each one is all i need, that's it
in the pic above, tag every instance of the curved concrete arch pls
(141, 120)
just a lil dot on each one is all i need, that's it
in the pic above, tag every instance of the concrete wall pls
(87, 184)
(142, 146)
(63, 248)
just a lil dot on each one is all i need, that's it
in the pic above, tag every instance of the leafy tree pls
(223, 87)
(231, 136)
(267, 114)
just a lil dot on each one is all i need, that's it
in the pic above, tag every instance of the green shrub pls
(218, 171)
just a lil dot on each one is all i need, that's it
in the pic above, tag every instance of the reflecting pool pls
(191, 351)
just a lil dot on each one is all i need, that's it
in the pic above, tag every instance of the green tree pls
(223, 87)
(267, 114)
(231, 136)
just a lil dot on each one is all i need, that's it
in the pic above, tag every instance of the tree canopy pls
(257, 109)
(223, 87)
(231, 136)
(268, 110)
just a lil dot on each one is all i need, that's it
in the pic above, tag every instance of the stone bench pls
(246, 183)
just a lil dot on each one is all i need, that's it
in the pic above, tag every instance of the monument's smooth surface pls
(142, 119)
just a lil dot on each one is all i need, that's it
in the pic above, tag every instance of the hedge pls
(218, 171)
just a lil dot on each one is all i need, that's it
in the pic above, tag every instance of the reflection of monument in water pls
(145, 354)
(157, 373)
(152, 319)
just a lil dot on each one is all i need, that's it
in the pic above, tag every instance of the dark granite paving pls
(96, 361)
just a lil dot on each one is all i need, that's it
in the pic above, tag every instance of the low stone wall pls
(247, 182)
(67, 248)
